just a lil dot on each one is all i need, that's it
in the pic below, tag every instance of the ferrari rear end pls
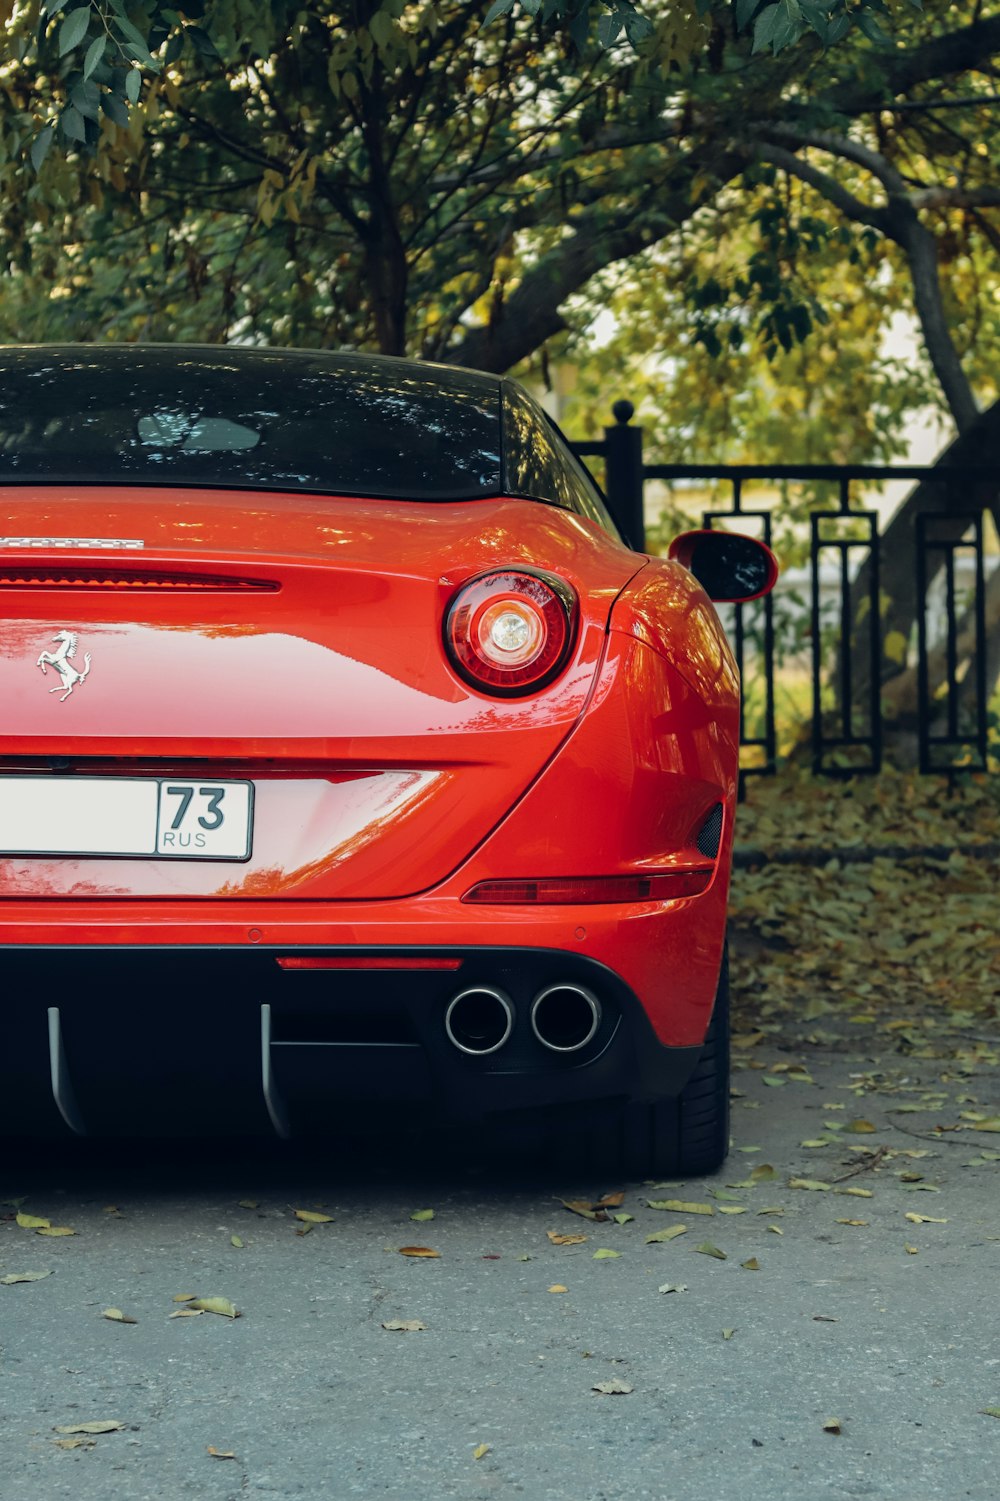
(340, 770)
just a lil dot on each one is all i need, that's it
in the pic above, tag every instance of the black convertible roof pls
(241, 417)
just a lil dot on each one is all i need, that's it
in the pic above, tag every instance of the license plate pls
(159, 818)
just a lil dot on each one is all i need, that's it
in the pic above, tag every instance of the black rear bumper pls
(169, 1041)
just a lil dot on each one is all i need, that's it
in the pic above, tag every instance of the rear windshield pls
(270, 420)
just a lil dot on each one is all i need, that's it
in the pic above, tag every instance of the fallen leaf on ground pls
(613, 1388)
(852, 1222)
(565, 1240)
(186, 1313)
(815, 1185)
(990, 1412)
(732, 1209)
(911, 1250)
(856, 1193)
(220, 1453)
(32, 1221)
(673, 1287)
(859, 1127)
(249, 1203)
(583, 1207)
(833, 1425)
(117, 1317)
(422, 1214)
(923, 1219)
(407, 1326)
(97, 1427)
(824, 1318)
(54, 1230)
(73, 1443)
(311, 1217)
(557, 1287)
(216, 1305)
(776, 1230)
(13, 1277)
(707, 1249)
(480, 1451)
(235, 1240)
(417, 1251)
(753, 1265)
(603, 1254)
(183, 1297)
(623, 1219)
(670, 1232)
(678, 1206)
(728, 1333)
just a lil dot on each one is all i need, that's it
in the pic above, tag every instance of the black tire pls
(682, 1137)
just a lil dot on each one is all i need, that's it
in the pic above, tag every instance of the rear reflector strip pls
(583, 890)
(126, 580)
(381, 962)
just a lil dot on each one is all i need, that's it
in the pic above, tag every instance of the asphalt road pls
(887, 1328)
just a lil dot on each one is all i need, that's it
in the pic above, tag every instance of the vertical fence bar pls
(624, 475)
(815, 626)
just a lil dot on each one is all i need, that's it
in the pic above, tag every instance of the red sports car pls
(348, 758)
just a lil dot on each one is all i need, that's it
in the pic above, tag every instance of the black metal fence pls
(946, 651)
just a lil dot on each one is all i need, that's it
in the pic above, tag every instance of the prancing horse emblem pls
(61, 660)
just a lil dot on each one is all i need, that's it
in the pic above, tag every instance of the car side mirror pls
(729, 567)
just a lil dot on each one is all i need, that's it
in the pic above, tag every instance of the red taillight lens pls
(583, 890)
(510, 631)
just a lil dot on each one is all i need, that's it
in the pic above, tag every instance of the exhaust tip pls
(479, 1020)
(565, 1018)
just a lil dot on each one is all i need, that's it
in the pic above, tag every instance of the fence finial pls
(623, 411)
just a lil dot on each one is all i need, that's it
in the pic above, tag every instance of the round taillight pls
(510, 631)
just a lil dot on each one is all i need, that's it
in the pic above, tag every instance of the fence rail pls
(847, 638)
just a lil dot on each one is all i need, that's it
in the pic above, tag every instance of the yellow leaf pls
(565, 1240)
(234, 1240)
(221, 1306)
(557, 1287)
(312, 1218)
(753, 1265)
(895, 646)
(603, 1254)
(669, 1233)
(480, 1451)
(678, 1206)
(422, 1214)
(856, 1193)
(859, 1127)
(732, 1209)
(814, 1184)
(186, 1313)
(923, 1219)
(417, 1251)
(852, 1222)
(184, 1297)
(707, 1249)
(32, 1222)
(220, 1453)
(833, 1425)
(911, 1250)
(13, 1277)
(117, 1317)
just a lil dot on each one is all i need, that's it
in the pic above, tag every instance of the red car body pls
(297, 642)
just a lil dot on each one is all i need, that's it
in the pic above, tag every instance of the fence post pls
(623, 474)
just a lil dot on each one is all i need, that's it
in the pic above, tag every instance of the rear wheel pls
(681, 1137)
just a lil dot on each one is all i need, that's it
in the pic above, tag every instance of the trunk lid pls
(290, 641)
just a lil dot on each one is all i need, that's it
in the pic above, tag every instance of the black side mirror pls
(729, 567)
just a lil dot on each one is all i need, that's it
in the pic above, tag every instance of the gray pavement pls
(891, 1327)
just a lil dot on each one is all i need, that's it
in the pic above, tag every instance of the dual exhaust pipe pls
(480, 1020)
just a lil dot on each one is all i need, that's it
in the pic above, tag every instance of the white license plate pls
(161, 818)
